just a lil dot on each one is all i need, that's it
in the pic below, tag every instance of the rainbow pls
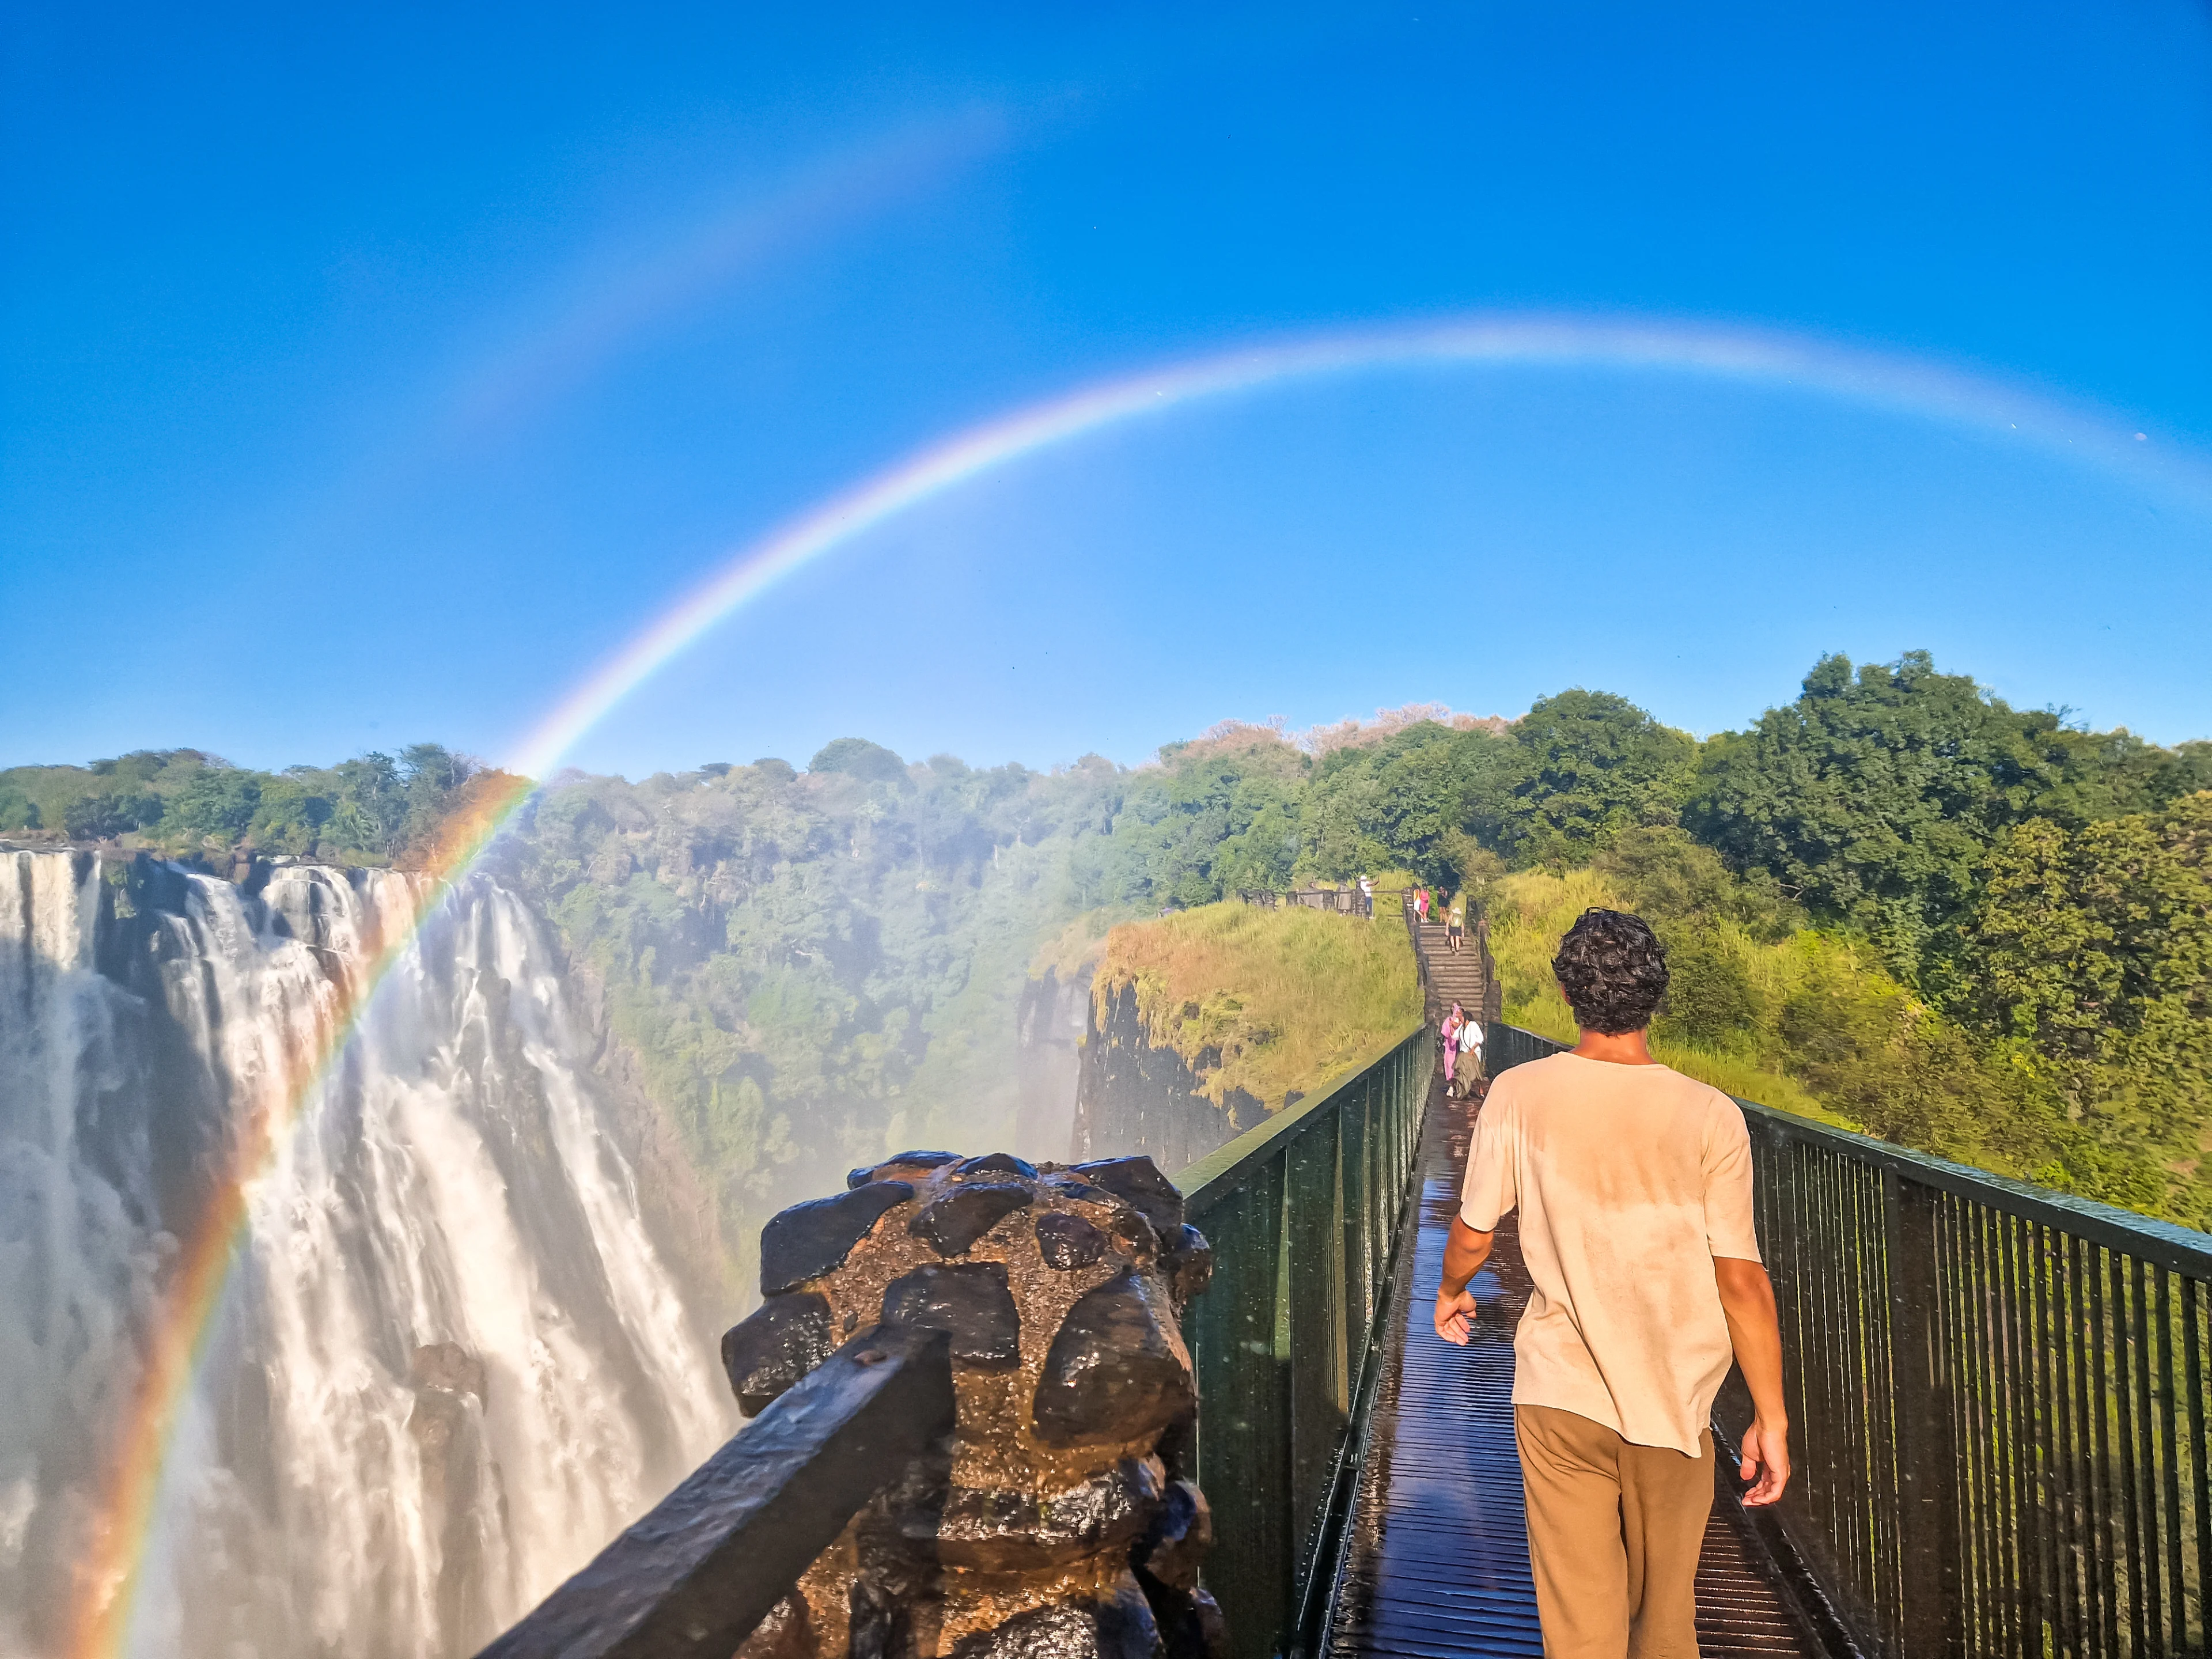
(105, 1593)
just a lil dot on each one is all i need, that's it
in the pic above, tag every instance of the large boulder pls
(774, 1345)
(1059, 1524)
(1114, 1374)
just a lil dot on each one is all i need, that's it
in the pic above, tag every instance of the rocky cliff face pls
(1049, 1037)
(1133, 1097)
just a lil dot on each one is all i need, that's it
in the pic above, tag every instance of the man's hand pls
(1465, 1251)
(1454, 1316)
(1747, 1299)
(1766, 1461)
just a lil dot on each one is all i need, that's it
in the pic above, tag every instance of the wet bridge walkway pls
(1435, 1557)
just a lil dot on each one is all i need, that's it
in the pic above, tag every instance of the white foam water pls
(449, 1365)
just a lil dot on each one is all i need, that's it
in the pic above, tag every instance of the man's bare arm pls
(1748, 1298)
(1465, 1252)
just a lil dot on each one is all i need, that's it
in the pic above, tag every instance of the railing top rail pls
(2163, 1243)
(2167, 1243)
(1224, 1169)
(699, 1570)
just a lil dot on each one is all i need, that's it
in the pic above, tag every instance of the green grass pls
(1289, 997)
(1529, 911)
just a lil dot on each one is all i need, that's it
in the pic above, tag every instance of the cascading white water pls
(450, 1364)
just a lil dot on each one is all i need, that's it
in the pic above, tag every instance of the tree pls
(1589, 765)
(289, 815)
(2092, 949)
(105, 814)
(857, 757)
(1874, 797)
(217, 804)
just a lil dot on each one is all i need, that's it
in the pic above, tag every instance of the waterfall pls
(449, 1365)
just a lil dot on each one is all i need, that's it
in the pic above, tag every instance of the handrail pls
(1304, 1213)
(1998, 1396)
(1342, 901)
(698, 1571)
(1213, 1177)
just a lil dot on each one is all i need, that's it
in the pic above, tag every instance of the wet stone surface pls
(1113, 1373)
(999, 1164)
(913, 1160)
(809, 1240)
(1068, 1241)
(969, 1300)
(1138, 1182)
(1189, 1263)
(955, 1218)
(1119, 1626)
(774, 1345)
(1055, 1524)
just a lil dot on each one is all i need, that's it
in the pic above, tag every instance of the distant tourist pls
(1634, 1188)
(1367, 897)
(1470, 1055)
(1448, 1046)
(1456, 922)
(1421, 905)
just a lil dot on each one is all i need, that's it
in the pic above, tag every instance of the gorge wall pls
(456, 1353)
(1133, 1097)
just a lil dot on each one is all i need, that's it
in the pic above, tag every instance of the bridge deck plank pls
(1436, 1564)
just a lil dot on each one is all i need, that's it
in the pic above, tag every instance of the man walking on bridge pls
(1634, 1185)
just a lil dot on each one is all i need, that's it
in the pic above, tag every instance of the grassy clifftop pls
(1267, 1001)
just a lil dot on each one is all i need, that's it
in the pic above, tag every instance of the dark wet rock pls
(785, 1633)
(1119, 1628)
(1067, 1241)
(1069, 1186)
(1190, 1623)
(1015, 1531)
(774, 1345)
(447, 1366)
(967, 1299)
(1138, 1181)
(913, 1160)
(1190, 1262)
(808, 1240)
(1175, 1545)
(958, 1216)
(998, 1164)
(458, 1479)
(1060, 1520)
(1111, 1374)
(879, 1625)
(1135, 1236)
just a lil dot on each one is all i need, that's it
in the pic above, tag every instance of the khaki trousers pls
(1614, 1534)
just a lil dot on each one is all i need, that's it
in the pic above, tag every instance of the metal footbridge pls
(1997, 1398)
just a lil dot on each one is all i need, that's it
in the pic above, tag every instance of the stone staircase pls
(1468, 976)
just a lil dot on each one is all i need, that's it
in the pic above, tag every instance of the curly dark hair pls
(1614, 971)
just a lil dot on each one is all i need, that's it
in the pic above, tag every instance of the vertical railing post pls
(1927, 1455)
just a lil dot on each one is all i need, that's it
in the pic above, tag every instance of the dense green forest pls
(376, 808)
(1980, 930)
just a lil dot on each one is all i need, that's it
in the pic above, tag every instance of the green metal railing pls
(1304, 1213)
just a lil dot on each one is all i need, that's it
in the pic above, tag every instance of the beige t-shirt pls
(1630, 1180)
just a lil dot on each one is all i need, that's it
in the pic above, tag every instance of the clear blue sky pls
(371, 374)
